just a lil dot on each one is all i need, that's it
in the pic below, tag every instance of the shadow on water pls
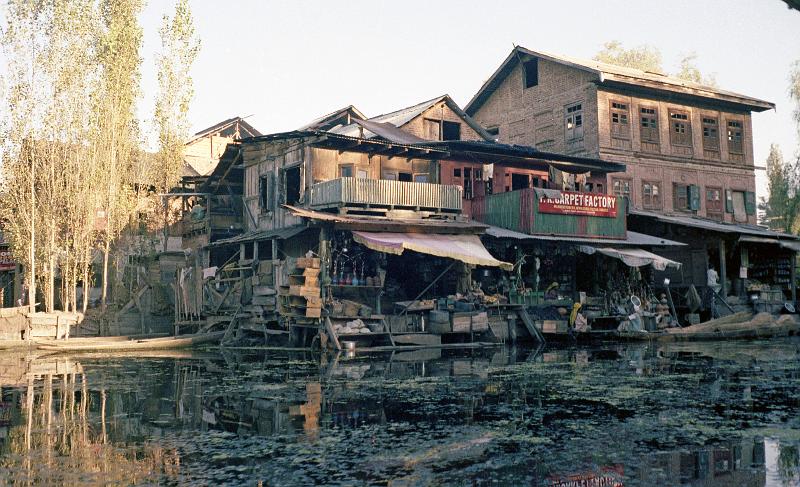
(618, 414)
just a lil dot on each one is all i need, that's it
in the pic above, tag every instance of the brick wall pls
(535, 116)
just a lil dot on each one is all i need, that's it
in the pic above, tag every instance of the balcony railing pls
(381, 193)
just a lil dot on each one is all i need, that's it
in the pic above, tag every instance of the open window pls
(451, 130)
(531, 72)
(266, 192)
(405, 177)
(291, 178)
(651, 195)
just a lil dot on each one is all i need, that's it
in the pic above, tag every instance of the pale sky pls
(288, 62)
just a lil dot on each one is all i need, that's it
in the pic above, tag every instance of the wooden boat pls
(742, 325)
(114, 344)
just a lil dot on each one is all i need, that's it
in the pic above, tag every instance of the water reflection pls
(677, 414)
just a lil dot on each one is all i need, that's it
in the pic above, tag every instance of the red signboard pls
(7, 262)
(573, 203)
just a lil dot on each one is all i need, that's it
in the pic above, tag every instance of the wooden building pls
(688, 148)
(367, 211)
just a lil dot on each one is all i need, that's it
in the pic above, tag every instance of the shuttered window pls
(680, 131)
(735, 136)
(574, 121)
(619, 120)
(714, 202)
(648, 128)
(622, 187)
(266, 193)
(651, 194)
(710, 134)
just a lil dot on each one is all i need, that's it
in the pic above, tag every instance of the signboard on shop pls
(574, 203)
(7, 262)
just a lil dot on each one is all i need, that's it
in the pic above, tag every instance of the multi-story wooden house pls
(688, 148)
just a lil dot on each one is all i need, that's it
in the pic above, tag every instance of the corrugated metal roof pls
(715, 226)
(430, 225)
(390, 132)
(612, 73)
(281, 234)
(633, 238)
(786, 244)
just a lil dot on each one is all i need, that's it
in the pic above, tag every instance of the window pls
(457, 172)
(740, 203)
(648, 129)
(421, 178)
(493, 131)
(346, 171)
(404, 176)
(680, 128)
(735, 136)
(531, 72)
(622, 187)
(362, 173)
(619, 120)
(432, 129)
(292, 185)
(390, 175)
(574, 121)
(651, 194)
(467, 183)
(451, 131)
(710, 134)
(265, 192)
(714, 202)
(685, 197)
(519, 181)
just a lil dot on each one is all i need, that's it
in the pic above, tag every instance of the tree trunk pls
(104, 293)
(86, 287)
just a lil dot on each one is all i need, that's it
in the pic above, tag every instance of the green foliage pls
(687, 70)
(648, 58)
(644, 57)
(794, 92)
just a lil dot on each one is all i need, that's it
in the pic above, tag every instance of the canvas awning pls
(633, 257)
(466, 248)
(786, 244)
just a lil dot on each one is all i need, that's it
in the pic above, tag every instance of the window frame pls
(677, 138)
(627, 181)
(623, 116)
(266, 190)
(349, 166)
(526, 72)
(646, 132)
(448, 127)
(654, 200)
(573, 114)
(705, 123)
(731, 145)
(711, 209)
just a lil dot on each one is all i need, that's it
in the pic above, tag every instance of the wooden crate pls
(480, 322)
(307, 263)
(306, 291)
(461, 322)
(311, 272)
(313, 312)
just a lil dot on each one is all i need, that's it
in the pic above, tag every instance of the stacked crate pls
(301, 298)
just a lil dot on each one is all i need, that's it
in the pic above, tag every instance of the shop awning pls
(633, 257)
(632, 238)
(785, 244)
(466, 248)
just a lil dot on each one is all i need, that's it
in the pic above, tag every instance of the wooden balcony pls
(381, 193)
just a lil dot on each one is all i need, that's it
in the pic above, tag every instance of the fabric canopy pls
(466, 248)
(634, 257)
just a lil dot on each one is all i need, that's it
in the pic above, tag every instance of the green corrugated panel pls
(502, 210)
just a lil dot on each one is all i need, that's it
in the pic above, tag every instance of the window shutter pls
(750, 203)
(271, 192)
(728, 201)
(694, 197)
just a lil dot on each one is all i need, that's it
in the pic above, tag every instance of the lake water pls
(635, 415)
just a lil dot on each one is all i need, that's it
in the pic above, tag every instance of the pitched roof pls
(249, 130)
(610, 75)
(324, 122)
(403, 116)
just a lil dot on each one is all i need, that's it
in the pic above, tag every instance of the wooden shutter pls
(750, 203)
(694, 197)
(728, 201)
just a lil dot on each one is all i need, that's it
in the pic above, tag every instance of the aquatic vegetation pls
(503, 416)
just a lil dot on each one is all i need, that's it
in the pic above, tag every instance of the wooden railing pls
(381, 193)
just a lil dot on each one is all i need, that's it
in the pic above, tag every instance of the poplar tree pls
(115, 140)
(179, 48)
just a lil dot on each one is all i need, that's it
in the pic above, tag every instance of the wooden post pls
(722, 271)
(793, 276)
(324, 257)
